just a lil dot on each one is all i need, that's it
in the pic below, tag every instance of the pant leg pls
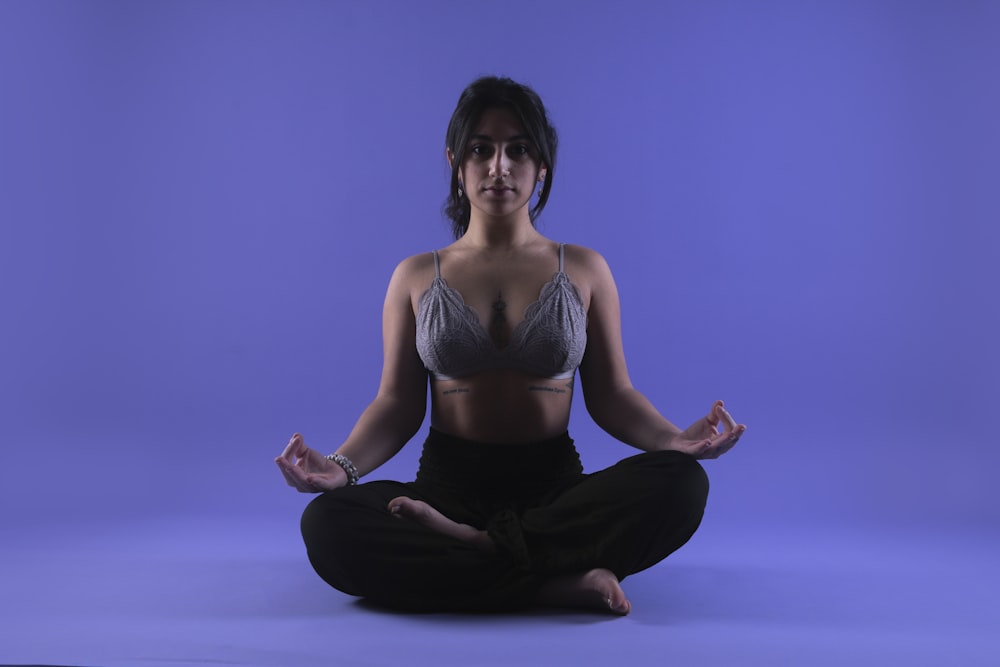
(359, 548)
(625, 518)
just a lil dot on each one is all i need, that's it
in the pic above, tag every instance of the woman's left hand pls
(704, 439)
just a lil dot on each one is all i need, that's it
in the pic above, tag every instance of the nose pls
(500, 166)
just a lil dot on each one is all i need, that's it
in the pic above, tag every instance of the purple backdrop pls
(201, 203)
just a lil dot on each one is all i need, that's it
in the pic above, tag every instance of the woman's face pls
(501, 164)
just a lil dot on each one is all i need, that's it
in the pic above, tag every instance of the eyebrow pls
(516, 137)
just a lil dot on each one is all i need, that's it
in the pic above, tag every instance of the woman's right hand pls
(307, 470)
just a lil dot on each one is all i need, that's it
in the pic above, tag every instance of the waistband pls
(491, 469)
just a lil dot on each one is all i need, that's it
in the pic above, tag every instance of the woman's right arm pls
(397, 411)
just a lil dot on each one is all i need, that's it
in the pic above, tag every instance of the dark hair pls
(491, 92)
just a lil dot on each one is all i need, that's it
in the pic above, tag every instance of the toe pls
(400, 506)
(622, 606)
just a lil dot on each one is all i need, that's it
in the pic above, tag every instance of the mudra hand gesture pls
(307, 470)
(704, 440)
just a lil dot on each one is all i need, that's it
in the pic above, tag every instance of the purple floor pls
(224, 590)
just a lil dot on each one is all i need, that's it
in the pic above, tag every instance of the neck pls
(499, 232)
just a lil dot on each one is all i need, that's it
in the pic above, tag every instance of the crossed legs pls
(597, 588)
(413, 548)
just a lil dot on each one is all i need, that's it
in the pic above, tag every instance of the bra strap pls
(437, 265)
(561, 246)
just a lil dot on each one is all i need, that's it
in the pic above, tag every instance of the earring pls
(460, 189)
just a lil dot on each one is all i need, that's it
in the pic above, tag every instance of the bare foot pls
(597, 589)
(422, 513)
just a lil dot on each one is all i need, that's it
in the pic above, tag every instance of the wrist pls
(346, 466)
(338, 477)
(666, 441)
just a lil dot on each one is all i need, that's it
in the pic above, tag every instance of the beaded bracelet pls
(345, 463)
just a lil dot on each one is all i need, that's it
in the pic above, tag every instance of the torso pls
(501, 405)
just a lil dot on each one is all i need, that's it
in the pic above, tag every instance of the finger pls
(704, 428)
(713, 414)
(306, 457)
(297, 478)
(728, 436)
(712, 451)
(283, 467)
(723, 447)
(727, 419)
(727, 440)
(291, 450)
(705, 449)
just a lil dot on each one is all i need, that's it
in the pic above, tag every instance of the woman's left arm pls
(618, 407)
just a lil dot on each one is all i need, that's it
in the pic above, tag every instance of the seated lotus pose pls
(501, 515)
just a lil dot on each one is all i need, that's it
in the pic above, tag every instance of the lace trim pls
(536, 346)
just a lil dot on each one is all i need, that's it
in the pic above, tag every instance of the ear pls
(451, 157)
(541, 174)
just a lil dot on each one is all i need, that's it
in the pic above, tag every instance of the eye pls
(480, 149)
(520, 149)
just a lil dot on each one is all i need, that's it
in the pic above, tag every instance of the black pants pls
(544, 514)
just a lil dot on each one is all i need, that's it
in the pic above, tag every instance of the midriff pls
(501, 406)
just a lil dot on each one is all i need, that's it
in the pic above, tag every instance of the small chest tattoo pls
(498, 323)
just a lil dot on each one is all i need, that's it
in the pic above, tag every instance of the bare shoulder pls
(414, 271)
(587, 267)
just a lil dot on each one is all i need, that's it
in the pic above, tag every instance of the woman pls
(501, 515)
